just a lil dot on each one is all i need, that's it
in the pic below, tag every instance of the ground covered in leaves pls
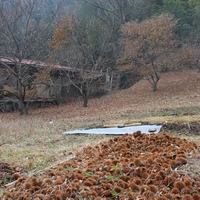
(135, 166)
(31, 143)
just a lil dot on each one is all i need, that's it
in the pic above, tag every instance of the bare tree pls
(194, 44)
(110, 9)
(25, 32)
(188, 53)
(84, 45)
(114, 13)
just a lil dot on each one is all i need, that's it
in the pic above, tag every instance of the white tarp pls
(148, 129)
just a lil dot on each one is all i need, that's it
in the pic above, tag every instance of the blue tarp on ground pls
(148, 129)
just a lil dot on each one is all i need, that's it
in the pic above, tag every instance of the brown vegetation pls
(118, 168)
(175, 90)
(146, 45)
(33, 143)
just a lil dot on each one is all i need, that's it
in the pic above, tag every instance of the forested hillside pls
(117, 41)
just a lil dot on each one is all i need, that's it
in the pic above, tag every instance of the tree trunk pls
(198, 67)
(154, 85)
(21, 103)
(85, 99)
(154, 81)
(22, 107)
(85, 94)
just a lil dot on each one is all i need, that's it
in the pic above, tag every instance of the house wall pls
(8, 82)
(61, 87)
(6, 78)
(3, 76)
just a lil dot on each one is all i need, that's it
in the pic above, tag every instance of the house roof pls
(36, 63)
(88, 74)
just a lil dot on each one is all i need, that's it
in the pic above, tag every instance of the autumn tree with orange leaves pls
(63, 29)
(147, 45)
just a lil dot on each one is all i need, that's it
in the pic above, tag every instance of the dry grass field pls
(32, 144)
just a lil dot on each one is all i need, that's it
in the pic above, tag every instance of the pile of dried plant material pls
(6, 172)
(136, 166)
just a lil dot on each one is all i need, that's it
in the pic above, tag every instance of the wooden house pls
(54, 82)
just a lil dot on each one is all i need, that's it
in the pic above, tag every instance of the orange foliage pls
(62, 32)
(146, 43)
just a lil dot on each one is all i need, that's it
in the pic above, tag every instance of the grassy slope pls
(33, 143)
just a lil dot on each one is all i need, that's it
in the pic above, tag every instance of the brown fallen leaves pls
(175, 90)
(135, 166)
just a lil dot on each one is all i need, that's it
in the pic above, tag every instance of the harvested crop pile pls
(6, 172)
(136, 166)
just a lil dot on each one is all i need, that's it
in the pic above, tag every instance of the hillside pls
(175, 90)
(31, 143)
